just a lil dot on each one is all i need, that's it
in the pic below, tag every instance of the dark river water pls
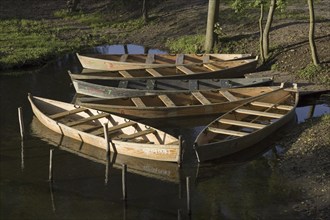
(87, 186)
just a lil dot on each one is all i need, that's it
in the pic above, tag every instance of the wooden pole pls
(181, 151)
(21, 121)
(50, 177)
(188, 195)
(106, 180)
(22, 155)
(124, 170)
(179, 214)
(106, 137)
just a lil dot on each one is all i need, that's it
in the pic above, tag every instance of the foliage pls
(186, 44)
(310, 72)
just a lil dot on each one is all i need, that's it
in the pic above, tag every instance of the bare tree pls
(145, 11)
(267, 28)
(212, 15)
(261, 46)
(312, 32)
(72, 5)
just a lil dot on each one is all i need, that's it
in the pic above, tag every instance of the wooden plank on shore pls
(242, 123)
(67, 113)
(138, 102)
(227, 132)
(166, 100)
(259, 113)
(201, 98)
(84, 120)
(228, 95)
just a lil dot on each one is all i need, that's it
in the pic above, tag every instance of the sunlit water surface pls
(86, 186)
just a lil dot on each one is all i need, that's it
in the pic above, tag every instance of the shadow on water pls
(86, 184)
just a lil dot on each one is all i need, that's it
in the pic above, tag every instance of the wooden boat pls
(223, 69)
(164, 171)
(246, 125)
(114, 62)
(125, 137)
(118, 88)
(176, 105)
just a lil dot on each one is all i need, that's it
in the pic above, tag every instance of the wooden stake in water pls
(181, 151)
(21, 121)
(188, 195)
(124, 170)
(106, 137)
(50, 177)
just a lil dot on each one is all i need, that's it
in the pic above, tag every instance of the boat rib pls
(166, 100)
(67, 113)
(242, 123)
(227, 132)
(228, 95)
(84, 120)
(201, 98)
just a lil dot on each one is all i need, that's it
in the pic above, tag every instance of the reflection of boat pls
(178, 105)
(223, 69)
(128, 88)
(140, 61)
(125, 137)
(149, 168)
(246, 125)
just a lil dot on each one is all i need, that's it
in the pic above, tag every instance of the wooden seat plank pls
(123, 58)
(137, 134)
(228, 95)
(211, 67)
(258, 113)
(150, 58)
(67, 113)
(125, 74)
(153, 72)
(138, 102)
(166, 100)
(179, 59)
(201, 98)
(115, 128)
(227, 132)
(84, 120)
(185, 70)
(271, 105)
(242, 123)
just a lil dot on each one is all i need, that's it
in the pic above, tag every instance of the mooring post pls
(124, 170)
(106, 137)
(181, 151)
(50, 177)
(179, 214)
(22, 155)
(21, 121)
(188, 195)
(106, 180)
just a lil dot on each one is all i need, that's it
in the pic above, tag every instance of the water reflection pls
(244, 185)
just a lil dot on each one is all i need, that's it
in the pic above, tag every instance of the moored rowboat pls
(125, 136)
(128, 88)
(165, 171)
(224, 69)
(177, 105)
(114, 62)
(246, 125)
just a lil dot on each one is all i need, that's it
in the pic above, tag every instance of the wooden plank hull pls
(140, 87)
(112, 62)
(158, 146)
(164, 171)
(185, 104)
(234, 132)
(218, 70)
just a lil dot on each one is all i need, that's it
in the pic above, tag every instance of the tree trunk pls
(261, 46)
(210, 37)
(311, 33)
(145, 11)
(267, 27)
(72, 5)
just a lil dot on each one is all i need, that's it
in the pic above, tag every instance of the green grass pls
(186, 44)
